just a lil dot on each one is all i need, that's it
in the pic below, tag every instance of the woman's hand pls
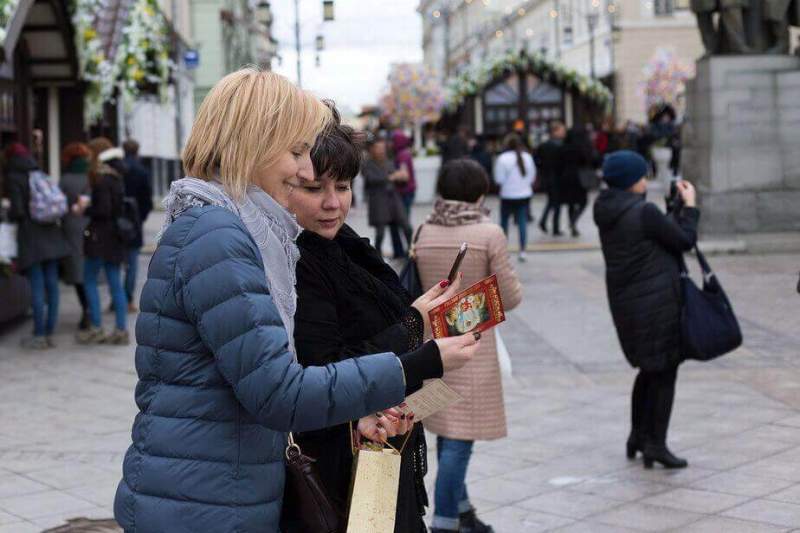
(687, 192)
(384, 425)
(458, 351)
(436, 295)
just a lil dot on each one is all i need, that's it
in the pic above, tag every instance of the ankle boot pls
(469, 523)
(635, 444)
(659, 453)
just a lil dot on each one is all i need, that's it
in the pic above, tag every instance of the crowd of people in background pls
(70, 231)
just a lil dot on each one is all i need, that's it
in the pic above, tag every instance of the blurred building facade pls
(230, 34)
(610, 39)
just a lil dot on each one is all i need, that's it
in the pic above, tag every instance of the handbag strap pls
(412, 250)
(354, 448)
(708, 273)
(292, 445)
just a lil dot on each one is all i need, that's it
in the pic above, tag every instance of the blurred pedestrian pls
(456, 145)
(642, 248)
(349, 303)
(40, 238)
(515, 172)
(576, 158)
(480, 153)
(104, 246)
(219, 387)
(384, 205)
(75, 183)
(404, 159)
(549, 155)
(139, 187)
(459, 216)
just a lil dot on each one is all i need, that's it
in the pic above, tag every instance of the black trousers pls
(651, 404)
(553, 206)
(395, 230)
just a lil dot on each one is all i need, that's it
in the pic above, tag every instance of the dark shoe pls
(557, 233)
(469, 523)
(85, 323)
(576, 233)
(661, 454)
(634, 445)
(543, 226)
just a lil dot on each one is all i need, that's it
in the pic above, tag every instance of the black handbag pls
(709, 327)
(306, 502)
(409, 275)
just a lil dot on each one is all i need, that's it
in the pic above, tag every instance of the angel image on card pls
(475, 309)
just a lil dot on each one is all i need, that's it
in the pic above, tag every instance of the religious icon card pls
(475, 309)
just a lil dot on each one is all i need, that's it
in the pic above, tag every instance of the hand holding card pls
(475, 309)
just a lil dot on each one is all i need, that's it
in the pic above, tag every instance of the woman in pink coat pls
(458, 217)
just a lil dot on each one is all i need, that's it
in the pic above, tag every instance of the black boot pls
(659, 453)
(635, 444)
(469, 523)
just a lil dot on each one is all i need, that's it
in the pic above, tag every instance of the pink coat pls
(481, 414)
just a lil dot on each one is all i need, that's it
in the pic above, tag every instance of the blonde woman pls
(218, 383)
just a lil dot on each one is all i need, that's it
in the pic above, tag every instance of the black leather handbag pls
(409, 275)
(306, 503)
(709, 327)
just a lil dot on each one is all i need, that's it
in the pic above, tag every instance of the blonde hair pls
(248, 120)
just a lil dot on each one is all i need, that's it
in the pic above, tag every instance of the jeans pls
(131, 269)
(651, 404)
(91, 268)
(450, 496)
(408, 201)
(43, 278)
(518, 208)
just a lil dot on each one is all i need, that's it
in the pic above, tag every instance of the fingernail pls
(411, 417)
(444, 283)
(477, 335)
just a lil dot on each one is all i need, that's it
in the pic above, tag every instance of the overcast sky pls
(366, 37)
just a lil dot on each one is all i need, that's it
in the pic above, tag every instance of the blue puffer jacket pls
(218, 390)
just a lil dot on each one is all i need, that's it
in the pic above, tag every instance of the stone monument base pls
(742, 143)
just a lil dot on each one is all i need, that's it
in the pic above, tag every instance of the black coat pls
(350, 303)
(102, 239)
(384, 205)
(37, 242)
(571, 160)
(74, 183)
(642, 248)
(548, 156)
(138, 185)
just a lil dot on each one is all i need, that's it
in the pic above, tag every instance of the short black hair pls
(131, 147)
(339, 149)
(463, 180)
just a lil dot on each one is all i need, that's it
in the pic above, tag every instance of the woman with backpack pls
(41, 241)
(103, 245)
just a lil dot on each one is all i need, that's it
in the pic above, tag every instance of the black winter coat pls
(138, 185)
(642, 248)
(571, 160)
(37, 242)
(384, 205)
(350, 303)
(101, 237)
(548, 171)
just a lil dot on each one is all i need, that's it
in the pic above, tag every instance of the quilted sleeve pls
(221, 285)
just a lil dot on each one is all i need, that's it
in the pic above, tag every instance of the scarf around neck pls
(455, 213)
(272, 227)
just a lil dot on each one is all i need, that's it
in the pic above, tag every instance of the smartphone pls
(457, 263)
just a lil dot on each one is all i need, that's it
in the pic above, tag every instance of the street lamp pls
(591, 20)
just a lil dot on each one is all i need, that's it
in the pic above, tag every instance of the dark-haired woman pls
(514, 172)
(75, 185)
(577, 156)
(349, 304)
(103, 247)
(459, 216)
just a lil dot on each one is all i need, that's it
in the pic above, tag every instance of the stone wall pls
(742, 143)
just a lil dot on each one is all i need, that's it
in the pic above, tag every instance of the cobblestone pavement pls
(65, 415)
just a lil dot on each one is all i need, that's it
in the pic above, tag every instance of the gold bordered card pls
(475, 309)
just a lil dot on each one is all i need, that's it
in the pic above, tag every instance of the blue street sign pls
(191, 58)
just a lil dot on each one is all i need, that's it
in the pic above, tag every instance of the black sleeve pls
(102, 207)
(677, 233)
(145, 199)
(16, 195)
(318, 337)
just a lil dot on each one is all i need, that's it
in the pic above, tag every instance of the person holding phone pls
(642, 248)
(459, 217)
(351, 303)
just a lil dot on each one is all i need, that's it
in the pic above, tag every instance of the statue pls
(746, 26)
(778, 16)
(730, 36)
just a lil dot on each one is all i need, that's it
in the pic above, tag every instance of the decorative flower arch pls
(475, 79)
(7, 8)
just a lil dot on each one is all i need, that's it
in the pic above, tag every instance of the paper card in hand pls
(475, 309)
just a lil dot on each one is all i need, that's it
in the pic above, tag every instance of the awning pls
(44, 29)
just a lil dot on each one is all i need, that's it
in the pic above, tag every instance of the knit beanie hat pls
(622, 169)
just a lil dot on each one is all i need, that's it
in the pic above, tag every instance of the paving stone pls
(718, 524)
(770, 512)
(741, 484)
(568, 504)
(20, 527)
(789, 495)
(12, 484)
(697, 501)
(646, 517)
(513, 518)
(6, 518)
(43, 504)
